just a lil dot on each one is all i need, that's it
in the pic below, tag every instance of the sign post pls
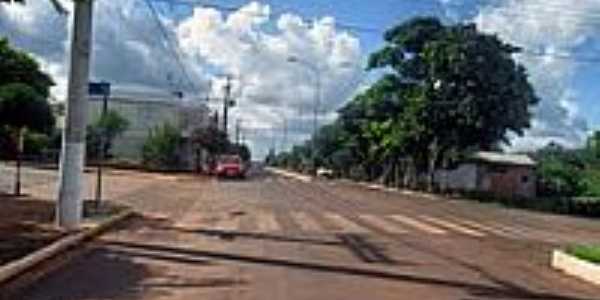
(103, 89)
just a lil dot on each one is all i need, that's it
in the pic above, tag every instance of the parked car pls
(230, 166)
(324, 172)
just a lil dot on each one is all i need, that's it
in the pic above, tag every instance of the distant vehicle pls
(230, 166)
(324, 172)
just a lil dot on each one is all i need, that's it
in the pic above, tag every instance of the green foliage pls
(568, 172)
(462, 89)
(212, 139)
(591, 181)
(22, 107)
(448, 89)
(108, 127)
(36, 143)
(18, 66)
(160, 150)
(242, 150)
(585, 252)
(559, 178)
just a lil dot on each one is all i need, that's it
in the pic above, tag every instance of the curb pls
(576, 267)
(383, 188)
(363, 184)
(303, 178)
(19, 266)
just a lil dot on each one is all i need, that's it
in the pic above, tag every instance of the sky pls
(253, 41)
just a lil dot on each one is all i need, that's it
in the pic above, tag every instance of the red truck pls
(230, 166)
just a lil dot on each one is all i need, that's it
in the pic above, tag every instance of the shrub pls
(161, 148)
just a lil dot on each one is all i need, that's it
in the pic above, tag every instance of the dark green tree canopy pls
(447, 89)
(22, 107)
(474, 93)
(19, 67)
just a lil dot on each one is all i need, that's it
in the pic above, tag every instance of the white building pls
(147, 113)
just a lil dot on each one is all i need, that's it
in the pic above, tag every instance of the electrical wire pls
(171, 45)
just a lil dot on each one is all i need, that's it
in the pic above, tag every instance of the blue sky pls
(130, 52)
(382, 14)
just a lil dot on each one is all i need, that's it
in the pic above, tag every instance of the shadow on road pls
(499, 290)
(358, 245)
(233, 235)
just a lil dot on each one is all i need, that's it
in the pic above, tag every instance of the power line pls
(172, 47)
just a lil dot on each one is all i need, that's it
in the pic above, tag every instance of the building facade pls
(145, 114)
(501, 174)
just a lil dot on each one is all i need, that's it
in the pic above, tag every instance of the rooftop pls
(503, 158)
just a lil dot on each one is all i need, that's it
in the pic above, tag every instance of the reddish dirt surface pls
(25, 226)
(272, 238)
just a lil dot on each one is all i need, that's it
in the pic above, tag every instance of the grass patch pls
(588, 253)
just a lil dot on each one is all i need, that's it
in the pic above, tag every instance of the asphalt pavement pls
(273, 238)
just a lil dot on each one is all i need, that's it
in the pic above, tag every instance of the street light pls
(315, 69)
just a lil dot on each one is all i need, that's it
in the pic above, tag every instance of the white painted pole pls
(70, 189)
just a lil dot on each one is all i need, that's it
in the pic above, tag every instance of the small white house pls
(502, 174)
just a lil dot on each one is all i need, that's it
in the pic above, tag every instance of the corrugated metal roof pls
(503, 158)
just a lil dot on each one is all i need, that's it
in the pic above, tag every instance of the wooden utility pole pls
(226, 103)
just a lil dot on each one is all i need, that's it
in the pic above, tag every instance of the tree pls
(160, 150)
(23, 109)
(242, 150)
(271, 158)
(462, 90)
(107, 127)
(18, 66)
(593, 145)
(212, 139)
(560, 171)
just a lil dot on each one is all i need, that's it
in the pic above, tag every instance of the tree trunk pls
(431, 164)
(20, 136)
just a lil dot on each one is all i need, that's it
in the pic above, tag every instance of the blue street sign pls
(99, 88)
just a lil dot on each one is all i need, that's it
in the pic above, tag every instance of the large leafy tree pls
(212, 139)
(19, 67)
(23, 109)
(462, 90)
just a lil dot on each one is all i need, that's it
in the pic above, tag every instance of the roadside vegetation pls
(163, 147)
(588, 253)
(447, 92)
(104, 130)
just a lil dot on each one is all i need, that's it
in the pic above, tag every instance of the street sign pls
(99, 88)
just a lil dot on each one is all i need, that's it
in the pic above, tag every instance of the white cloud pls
(271, 88)
(249, 43)
(555, 29)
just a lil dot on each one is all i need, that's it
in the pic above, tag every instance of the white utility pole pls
(70, 188)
